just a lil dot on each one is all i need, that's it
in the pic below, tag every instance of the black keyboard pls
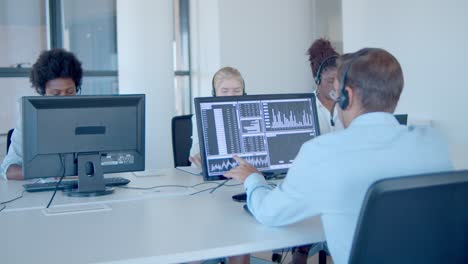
(70, 184)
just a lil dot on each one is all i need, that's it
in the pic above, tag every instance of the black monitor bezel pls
(200, 100)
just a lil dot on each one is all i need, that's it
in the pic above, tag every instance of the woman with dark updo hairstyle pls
(322, 58)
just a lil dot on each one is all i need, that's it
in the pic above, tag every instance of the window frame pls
(54, 40)
(182, 24)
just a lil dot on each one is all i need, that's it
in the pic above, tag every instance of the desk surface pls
(144, 226)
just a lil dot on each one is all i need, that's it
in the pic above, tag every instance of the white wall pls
(430, 39)
(328, 21)
(145, 34)
(265, 39)
(23, 36)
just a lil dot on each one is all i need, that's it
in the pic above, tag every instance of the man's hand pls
(242, 171)
(196, 159)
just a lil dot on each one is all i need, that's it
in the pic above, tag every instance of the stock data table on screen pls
(159, 225)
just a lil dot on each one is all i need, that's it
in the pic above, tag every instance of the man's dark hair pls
(53, 64)
(375, 76)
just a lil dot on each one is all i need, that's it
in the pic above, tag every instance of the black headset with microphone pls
(213, 91)
(318, 74)
(343, 98)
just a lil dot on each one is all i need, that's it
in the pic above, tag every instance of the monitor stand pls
(90, 177)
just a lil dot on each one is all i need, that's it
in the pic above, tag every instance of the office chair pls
(417, 219)
(10, 133)
(181, 139)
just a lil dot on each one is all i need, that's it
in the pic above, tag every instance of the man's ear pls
(351, 97)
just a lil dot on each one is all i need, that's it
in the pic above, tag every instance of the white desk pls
(138, 226)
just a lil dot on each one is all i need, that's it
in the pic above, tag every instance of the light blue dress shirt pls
(332, 173)
(15, 152)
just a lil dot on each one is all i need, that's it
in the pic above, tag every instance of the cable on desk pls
(165, 186)
(232, 185)
(285, 256)
(61, 178)
(219, 186)
(11, 200)
(212, 189)
(201, 191)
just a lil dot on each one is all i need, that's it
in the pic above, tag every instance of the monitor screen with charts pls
(265, 130)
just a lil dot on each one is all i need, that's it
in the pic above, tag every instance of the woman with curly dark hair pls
(56, 72)
(322, 58)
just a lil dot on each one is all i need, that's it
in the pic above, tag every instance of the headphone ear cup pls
(243, 87)
(317, 79)
(343, 100)
(213, 91)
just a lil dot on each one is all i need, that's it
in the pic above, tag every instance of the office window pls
(100, 85)
(88, 29)
(182, 74)
(23, 35)
(27, 27)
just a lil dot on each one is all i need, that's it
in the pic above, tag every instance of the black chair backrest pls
(181, 139)
(416, 219)
(10, 132)
(402, 119)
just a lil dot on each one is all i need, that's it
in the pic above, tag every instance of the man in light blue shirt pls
(332, 172)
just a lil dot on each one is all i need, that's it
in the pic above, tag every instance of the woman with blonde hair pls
(227, 81)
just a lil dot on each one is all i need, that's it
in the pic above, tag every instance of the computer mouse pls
(241, 197)
(89, 168)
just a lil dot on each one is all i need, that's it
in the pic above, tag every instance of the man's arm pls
(291, 201)
(278, 206)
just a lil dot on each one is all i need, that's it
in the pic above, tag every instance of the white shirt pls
(15, 152)
(332, 173)
(195, 143)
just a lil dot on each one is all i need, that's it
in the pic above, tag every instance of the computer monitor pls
(265, 130)
(85, 136)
